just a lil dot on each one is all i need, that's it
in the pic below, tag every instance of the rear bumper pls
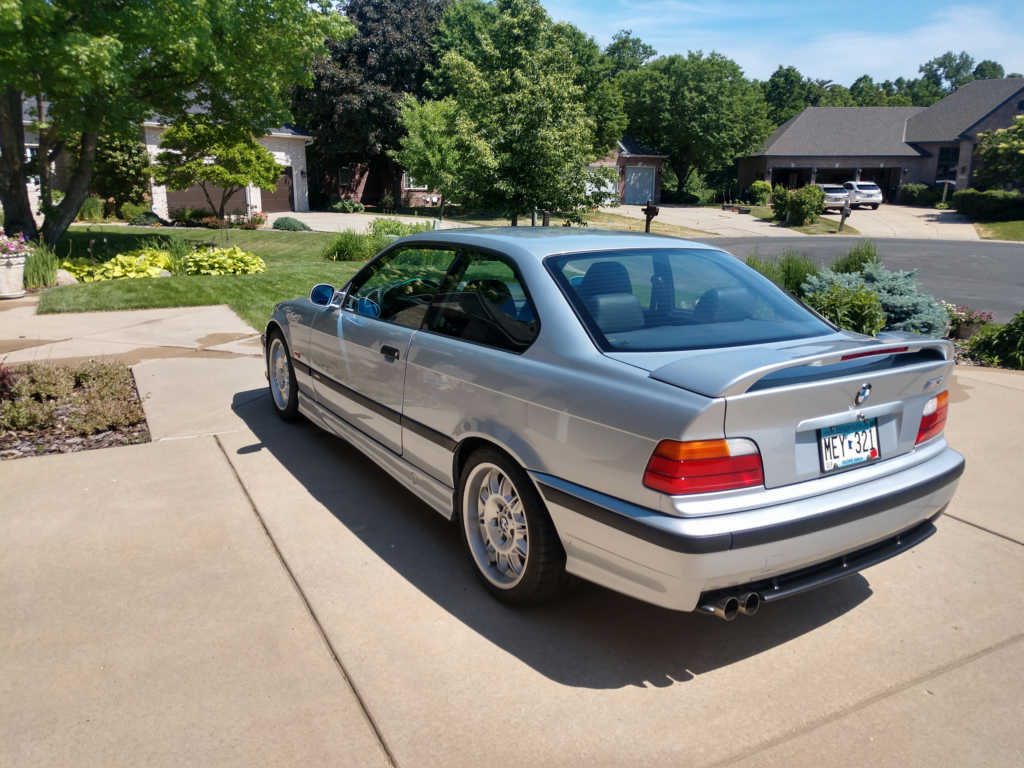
(671, 561)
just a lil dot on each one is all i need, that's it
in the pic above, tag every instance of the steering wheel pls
(408, 287)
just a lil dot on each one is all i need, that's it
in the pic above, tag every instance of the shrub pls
(133, 265)
(146, 219)
(760, 192)
(223, 261)
(348, 206)
(349, 246)
(862, 254)
(780, 203)
(131, 210)
(961, 315)
(190, 217)
(805, 205)
(387, 201)
(288, 224)
(92, 209)
(40, 267)
(906, 307)
(213, 222)
(789, 272)
(257, 218)
(396, 228)
(1002, 345)
(992, 205)
(7, 379)
(855, 309)
(920, 194)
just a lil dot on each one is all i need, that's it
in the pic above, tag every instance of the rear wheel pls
(283, 389)
(508, 533)
(874, 207)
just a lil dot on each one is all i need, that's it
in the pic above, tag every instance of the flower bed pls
(157, 262)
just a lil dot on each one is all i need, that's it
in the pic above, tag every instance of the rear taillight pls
(700, 466)
(933, 420)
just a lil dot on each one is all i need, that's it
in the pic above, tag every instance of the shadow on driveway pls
(592, 637)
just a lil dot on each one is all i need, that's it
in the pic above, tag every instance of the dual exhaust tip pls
(728, 607)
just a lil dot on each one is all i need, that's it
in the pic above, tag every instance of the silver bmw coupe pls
(643, 412)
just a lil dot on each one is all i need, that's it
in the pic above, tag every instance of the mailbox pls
(649, 211)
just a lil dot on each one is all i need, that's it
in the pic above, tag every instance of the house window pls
(408, 182)
(949, 157)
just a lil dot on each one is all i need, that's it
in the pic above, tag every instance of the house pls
(286, 144)
(891, 146)
(639, 170)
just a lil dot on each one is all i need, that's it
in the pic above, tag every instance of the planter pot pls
(12, 277)
(966, 330)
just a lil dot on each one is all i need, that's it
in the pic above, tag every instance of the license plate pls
(846, 445)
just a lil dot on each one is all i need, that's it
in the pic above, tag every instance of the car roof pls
(544, 241)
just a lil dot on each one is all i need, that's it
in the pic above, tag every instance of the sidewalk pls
(150, 614)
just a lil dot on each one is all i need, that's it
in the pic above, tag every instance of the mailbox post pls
(844, 215)
(649, 211)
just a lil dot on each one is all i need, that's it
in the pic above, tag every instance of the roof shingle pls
(947, 119)
(844, 131)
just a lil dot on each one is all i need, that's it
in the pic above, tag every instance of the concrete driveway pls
(248, 592)
(906, 221)
(888, 221)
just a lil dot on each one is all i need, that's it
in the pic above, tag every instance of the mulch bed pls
(59, 434)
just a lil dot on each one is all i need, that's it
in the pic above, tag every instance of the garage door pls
(281, 198)
(639, 184)
(193, 197)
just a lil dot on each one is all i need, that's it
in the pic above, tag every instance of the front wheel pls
(508, 532)
(283, 389)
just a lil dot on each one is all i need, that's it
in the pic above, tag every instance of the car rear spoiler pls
(733, 371)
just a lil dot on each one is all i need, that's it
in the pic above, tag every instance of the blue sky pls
(835, 40)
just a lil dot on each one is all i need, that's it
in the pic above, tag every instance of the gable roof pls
(630, 147)
(947, 119)
(844, 131)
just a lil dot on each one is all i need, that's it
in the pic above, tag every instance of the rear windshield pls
(869, 187)
(652, 300)
(829, 188)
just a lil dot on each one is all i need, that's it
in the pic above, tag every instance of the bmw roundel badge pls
(862, 394)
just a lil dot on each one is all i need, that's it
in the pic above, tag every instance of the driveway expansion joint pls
(364, 708)
(865, 703)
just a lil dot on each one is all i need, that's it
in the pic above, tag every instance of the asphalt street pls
(983, 275)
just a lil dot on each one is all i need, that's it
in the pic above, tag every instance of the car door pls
(466, 365)
(359, 349)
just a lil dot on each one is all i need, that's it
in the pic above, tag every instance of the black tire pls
(543, 575)
(285, 407)
(874, 207)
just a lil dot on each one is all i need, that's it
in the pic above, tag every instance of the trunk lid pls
(781, 395)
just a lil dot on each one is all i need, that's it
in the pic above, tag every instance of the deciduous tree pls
(104, 66)
(698, 109)
(1001, 153)
(628, 53)
(518, 112)
(194, 152)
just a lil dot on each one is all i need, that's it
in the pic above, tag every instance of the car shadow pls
(591, 637)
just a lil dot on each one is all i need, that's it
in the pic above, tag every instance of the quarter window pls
(399, 286)
(484, 301)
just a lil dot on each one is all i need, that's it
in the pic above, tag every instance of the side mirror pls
(322, 294)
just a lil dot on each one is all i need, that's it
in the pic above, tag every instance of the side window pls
(485, 302)
(399, 287)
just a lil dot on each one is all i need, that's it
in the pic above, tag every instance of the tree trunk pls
(440, 214)
(59, 219)
(13, 182)
(43, 157)
(209, 200)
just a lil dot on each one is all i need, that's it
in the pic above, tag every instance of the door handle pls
(391, 353)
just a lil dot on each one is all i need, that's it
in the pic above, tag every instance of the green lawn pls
(293, 267)
(1000, 230)
(822, 226)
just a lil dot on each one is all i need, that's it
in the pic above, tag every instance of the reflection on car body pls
(639, 411)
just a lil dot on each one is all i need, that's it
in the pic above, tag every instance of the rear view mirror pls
(322, 294)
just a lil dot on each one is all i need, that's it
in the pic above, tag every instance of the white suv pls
(864, 193)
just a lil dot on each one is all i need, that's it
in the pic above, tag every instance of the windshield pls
(652, 300)
(869, 187)
(833, 190)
